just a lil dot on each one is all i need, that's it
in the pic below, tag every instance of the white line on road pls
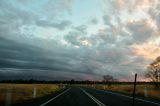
(131, 97)
(93, 98)
(55, 97)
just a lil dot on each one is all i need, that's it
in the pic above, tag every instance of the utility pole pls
(158, 78)
(134, 90)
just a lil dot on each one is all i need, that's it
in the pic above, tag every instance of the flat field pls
(145, 90)
(15, 93)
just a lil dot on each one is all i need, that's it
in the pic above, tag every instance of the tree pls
(108, 79)
(153, 71)
(72, 81)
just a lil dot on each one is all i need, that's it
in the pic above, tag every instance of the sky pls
(78, 39)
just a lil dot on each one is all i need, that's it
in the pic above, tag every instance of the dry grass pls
(152, 92)
(22, 92)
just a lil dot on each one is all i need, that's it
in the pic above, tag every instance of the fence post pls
(104, 87)
(134, 89)
(145, 92)
(158, 79)
(8, 96)
(34, 92)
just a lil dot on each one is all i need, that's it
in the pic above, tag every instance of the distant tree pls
(72, 81)
(153, 71)
(108, 79)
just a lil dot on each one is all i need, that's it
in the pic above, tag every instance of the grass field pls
(22, 92)
(146, 90)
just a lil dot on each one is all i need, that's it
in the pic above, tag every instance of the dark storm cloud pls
(23, 57)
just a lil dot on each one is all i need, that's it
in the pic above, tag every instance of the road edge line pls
(129, 97)
(43, 104)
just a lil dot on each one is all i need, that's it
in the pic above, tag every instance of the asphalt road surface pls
(82, 96)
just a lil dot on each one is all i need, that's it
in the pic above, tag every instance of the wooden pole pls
(134, 89)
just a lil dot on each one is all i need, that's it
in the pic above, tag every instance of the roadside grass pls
(22, 92)
(144, 90)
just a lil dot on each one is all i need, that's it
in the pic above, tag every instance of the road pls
(82, 96)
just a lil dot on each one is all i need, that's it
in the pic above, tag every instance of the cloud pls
(78, 36)
(14, 16)
(81, 29)
(140, 30)
(107, 20)
(73, 38)
(120, 40)
(154, 14)
(149, 50)
(60, 26)
(94, 21)
(26, 57)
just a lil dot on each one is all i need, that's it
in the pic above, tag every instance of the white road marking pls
(93, 98)
(55, 97)
(131, 97)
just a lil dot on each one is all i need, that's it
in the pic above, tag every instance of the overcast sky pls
(78, 39)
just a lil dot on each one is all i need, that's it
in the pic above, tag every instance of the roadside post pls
(158, 79)
(104, 87)
(8, 97)
(145, 92)
(34, 92)
(134, 90)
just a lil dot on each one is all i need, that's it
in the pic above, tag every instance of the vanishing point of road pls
(83, 96)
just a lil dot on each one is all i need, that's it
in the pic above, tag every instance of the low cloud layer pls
(60, 41)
